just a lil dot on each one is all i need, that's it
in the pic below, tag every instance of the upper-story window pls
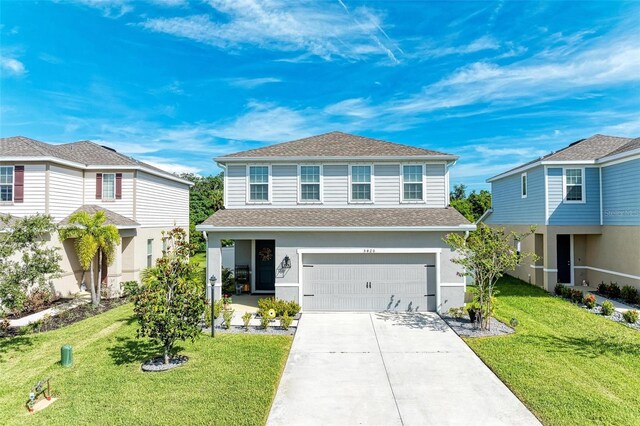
(258, 183)
(361, 183)
(523, 185)
(108, 186)
(310, 184)
(6, 183)
(574, 185)
(412, 188)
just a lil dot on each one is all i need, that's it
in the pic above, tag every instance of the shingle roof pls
(83, 152)
(335, 144)
(590, 149)
(113, 218)
(336, 217)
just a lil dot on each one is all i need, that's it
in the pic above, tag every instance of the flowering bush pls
(630, 316)
(590, 301)
(607, 308)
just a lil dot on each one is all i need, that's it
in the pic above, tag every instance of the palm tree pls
(95, 241)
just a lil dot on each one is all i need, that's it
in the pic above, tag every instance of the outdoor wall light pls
(286, 263)
(213, 280)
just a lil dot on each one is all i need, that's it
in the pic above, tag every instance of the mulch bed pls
(158, 365)
(465, 328)
(53, 303)
(65, 318)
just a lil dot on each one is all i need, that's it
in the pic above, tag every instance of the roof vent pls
(110, 149)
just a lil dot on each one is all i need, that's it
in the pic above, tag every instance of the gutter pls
(453, 228)
(317, 158)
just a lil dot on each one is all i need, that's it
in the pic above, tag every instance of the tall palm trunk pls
(91, 284)
(99, 283)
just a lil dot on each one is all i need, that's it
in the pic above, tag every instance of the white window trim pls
(248, 186)
(524, 186)
(114, 187)
(321, 184)
(352, 201)
(13, 185)
(564, 186)
(424, 184)
(149, 257)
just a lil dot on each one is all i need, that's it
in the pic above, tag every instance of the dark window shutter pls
(118, 186)
(99, 186)
(18, 184)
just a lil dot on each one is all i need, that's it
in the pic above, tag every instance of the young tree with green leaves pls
(27, 262)
(94, 241)
(486, 255)
(171, 300)
(206, 197)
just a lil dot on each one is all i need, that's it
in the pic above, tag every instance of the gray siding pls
(284, 179)
(236, 185)
(387, 184)
(336, 182)
(437, 193)
(562, 213)
(621, 193)
(508, 205)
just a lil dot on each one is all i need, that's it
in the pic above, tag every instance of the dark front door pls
(563, 247)
(265, 265)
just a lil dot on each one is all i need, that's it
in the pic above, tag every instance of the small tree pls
(94, 241)
(27, 262)
(485, 256)
(171, 300)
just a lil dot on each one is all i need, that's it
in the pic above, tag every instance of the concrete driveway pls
(388, 369)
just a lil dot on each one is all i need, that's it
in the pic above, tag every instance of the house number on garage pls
(370, 250)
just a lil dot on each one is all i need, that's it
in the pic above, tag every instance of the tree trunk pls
(93, 289)
(166, 354)
(99, 283)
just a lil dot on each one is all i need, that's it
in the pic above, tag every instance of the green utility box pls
(66, 356)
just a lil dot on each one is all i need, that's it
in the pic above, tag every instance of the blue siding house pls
(585, 203)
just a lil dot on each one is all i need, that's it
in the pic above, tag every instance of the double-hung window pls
(412, 189)
(6, 183)
(574, 186)
(259, 183)
(361, 183)
(109, 186)
(310, 184)
(523, 185)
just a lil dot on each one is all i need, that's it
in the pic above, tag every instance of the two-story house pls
(139, 199)
(340, 222)
(585, 202)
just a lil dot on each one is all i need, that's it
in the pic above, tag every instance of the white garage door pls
(369, 282)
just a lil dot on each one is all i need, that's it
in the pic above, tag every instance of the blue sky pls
(176, 83)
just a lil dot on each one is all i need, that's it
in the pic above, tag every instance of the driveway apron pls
(388, 369)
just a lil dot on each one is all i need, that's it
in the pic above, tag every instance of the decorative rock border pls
(465, 328)
(158, 365)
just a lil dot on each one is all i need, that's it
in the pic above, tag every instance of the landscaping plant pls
(27, 263)
(485, 255)
(576, 296)
(264, 321)
(589, 301)
(279, 306)
(558, 289)
(613, 290)
(227, 316)
(602, 289)
(629, 294)
(285, 321)
(607, 308)
(171, 300)
(630, 316)
(246, 318)
(514, 322)
(95, 242)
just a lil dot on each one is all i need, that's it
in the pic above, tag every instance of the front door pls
(265, 256)
(563, 248)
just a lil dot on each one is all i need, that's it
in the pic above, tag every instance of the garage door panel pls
(367, 282)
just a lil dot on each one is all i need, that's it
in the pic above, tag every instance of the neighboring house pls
(585, 202)
(139, 199)
(340, 222)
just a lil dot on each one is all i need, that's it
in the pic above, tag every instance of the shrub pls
(456, 312)
(603, 289)
(217, 307)
(37, 299)
(285, 321)
(576, 296)
(558, 289)
(514, 322)
(629, 294)
(227, 316)
(589, 300)
(630, 316)
(613, 290)
(246, 317)
(4, 324)
(279, 306)
(566, 292)
(129, 288)
(264, 321)
(228, 281)
(607, 308)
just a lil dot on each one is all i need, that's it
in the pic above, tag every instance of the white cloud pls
(12, 66)
(109, 8)
(320, 30)
(169, 166)
(356, 107)
(477, 45)
(250, 83)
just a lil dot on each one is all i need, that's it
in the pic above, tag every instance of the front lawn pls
(228, 380)
(566, 364)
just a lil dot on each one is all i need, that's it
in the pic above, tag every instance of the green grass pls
(566, 364)
(199, 259)
(228, 380)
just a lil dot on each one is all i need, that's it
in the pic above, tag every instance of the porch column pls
(550, 261)
(214, 263)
